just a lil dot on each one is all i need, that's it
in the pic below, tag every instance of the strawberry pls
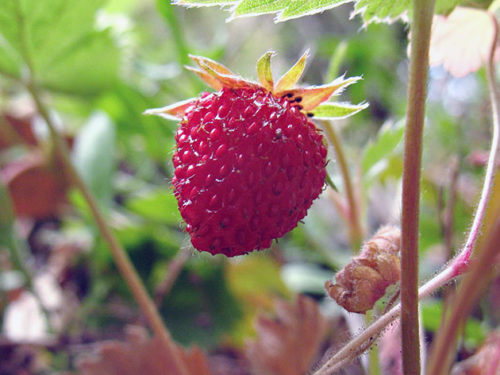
(248, 161)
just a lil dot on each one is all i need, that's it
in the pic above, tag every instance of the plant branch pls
(121, 258)
(444, 345)
(173, 270)
(423, 11)
(461, 262)
(355, 230)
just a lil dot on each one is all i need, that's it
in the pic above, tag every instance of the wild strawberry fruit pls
(248, 161)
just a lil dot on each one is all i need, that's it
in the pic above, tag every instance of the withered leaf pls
(364, 280)
(140, 354)
(288, 343)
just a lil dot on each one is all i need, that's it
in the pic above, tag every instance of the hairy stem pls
(419, 64)
(461, 262)
(444, 345)
(120, 256)
(358, 344)
(355, 230)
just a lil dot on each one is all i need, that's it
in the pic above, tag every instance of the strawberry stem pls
(121, 258)
(419, 65)
(355, 230)
(462, 261)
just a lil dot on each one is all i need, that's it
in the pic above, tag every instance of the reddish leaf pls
(37, 189)
(140, 354)
(16, 129)
(462, 41)
(486, 361)
(289, 343)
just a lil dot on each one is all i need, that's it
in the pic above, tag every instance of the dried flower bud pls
(364, 280)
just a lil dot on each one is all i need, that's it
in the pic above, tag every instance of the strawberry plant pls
(383, 211)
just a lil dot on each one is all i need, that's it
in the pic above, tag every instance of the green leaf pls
(371, 10)
(387, 140)
(57, 43)
(329, 111)
(432, 314)
(158, 206)
(94, 155)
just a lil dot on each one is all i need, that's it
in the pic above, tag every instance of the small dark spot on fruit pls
(298, 99)
(310, 114)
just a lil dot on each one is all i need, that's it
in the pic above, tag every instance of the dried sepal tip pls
(364, 280)
(172, 112)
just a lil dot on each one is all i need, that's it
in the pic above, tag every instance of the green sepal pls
(290, 78)
(337, 110)
(264, 71)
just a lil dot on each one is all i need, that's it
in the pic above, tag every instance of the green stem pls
(120, 256)
(419, 63)
(355, 230)
(373, 355)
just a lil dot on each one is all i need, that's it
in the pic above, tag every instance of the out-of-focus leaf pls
(432, 314)
(486, 360)
(158, 206)
(93, 155)
(462, 41)
(57, 41)
(305, 278)
(201, 308)
(140, 354)
(37, 189)
(288, 343)
(384, 145)
(255, 280)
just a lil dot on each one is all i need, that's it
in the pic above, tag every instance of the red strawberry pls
(248, 162)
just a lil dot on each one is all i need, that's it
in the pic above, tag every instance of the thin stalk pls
(462, 261)
(423, 11)
(353, 218)
(120, 256)
(373, 355)
(355, 230)
(174, 269)
(444, 345)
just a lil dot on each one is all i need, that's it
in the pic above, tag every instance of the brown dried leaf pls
(287, 344)
(364, 280)
(462, 41)
(140, 354)
(486, 361)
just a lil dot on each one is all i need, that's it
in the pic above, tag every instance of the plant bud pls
(364, 280)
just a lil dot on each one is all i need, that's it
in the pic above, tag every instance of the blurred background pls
(51, 252)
